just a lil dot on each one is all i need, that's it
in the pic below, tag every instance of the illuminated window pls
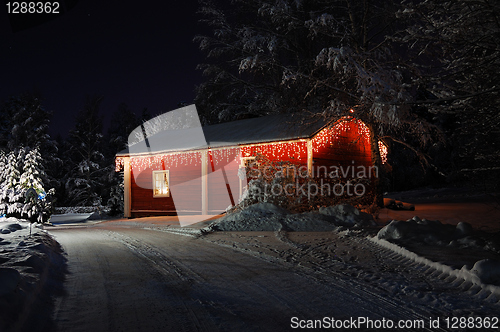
(161, 187)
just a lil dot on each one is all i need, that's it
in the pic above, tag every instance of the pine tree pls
(87, 176)
(3, 178)
(11, 173)
(115, 201)
(28, 121)
(25, 122)
(3, 167)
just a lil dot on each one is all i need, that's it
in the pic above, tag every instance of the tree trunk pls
(378, 198)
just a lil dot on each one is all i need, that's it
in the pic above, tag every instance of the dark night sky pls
(138, 52)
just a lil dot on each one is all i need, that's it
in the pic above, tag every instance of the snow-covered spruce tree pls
(11, 171)
(29, 120)
(33, 174)
(23, 173)
(325, 57)
(87, 175)
(3, 177)
(11, 195)
(36, 207)
(115, 201)
(454, 48)
(3, 165)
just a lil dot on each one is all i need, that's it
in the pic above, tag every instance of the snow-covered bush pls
(269, 217)
(282, 184)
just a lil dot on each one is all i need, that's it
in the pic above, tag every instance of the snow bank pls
(269, 217)
(347, 215)
(260, 216)
(432, 232)
(484, 274)
(25, 263)
(69, 218)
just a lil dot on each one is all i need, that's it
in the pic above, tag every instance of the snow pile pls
(347, 215)
(11, 227)
(25, 264)
(269, 217)
(488, 271)
(428, 231)
(260, 216)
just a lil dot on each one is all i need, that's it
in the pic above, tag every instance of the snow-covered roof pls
(271, 128)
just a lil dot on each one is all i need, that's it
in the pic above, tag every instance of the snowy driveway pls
(124, 278)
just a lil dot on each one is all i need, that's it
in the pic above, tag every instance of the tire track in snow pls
(112, 288)
(408, 276)
(388, 308)
(160, 259)
(353, 296)
(407, 284)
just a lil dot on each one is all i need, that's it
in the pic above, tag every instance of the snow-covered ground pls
(31, 270)
(412, 268)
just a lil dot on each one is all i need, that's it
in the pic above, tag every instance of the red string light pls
(341, 128)
(295, 150)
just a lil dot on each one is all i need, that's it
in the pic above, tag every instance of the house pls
(200, 172)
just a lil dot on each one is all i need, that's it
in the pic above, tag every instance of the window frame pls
(167, 173)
